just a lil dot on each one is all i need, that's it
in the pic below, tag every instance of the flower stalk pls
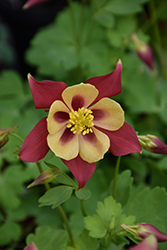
(115, 176)
(62, 213)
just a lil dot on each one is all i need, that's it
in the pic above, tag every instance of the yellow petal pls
(58, 117)
(108, 114)
(80, 95)
(93, 146)
(64, 144)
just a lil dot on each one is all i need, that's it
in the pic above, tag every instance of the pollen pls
(81, 121)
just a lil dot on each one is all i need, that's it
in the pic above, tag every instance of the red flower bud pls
(146, 229)
(31, 246)
(4, 135)
(31, 3)
(144, 51)
(152, 144)
(45, 177)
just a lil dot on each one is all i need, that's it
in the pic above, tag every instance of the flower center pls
(81, 121)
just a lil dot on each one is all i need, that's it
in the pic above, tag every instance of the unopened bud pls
(4, 135)
(144, 51)
(46, 177)
(146, 229)
(31, 3)
(152, 144)
(31, 246)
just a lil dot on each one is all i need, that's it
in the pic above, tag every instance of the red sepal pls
(81, 170)
(149, 243)
(123, 141)
(45, 92)
(35, 146)
(108, 85)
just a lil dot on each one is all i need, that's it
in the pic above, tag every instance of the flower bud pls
(152, 144)
(31, 246)
(31, 3)
(4, 135)
(47, 176)
(149, 243)
(144, 51)
(146, 229)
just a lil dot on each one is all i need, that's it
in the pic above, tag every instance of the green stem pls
(107, 240)
(83, 208)
(73, 183)
(115, 176)
(17, 136)
(154, 18)
(63, 215)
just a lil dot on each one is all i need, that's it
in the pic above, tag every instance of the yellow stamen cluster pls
(81, 121)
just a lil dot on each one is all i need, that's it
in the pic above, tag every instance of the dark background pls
(18, 26)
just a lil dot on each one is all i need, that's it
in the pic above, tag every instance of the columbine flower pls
(144, 51)
(152, 144)
(31, 3)
(149, 243)
(4, 133)
(31, 246)
(82, 124)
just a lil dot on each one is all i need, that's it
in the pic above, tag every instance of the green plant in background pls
(124, 202)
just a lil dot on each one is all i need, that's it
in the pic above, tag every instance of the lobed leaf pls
(48, 238)
(56, 196)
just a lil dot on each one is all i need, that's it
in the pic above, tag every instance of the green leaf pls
(12, 83)
(85, 242)
(11, 185)
(9, 232)
(157, 176)
(108, 219)
(114, 38)
(162, 246)
(105, 18)
(119, 245)
(96, 226)
(48, 238)
(93, 58)
(149, 206)
(121, 7)
(52, 166)
(56, 196)
(83, 194)
(66, 47)
(126, 25)
(137, 98)
(109, 210)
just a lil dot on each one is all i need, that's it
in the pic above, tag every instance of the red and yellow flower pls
(83, 123)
